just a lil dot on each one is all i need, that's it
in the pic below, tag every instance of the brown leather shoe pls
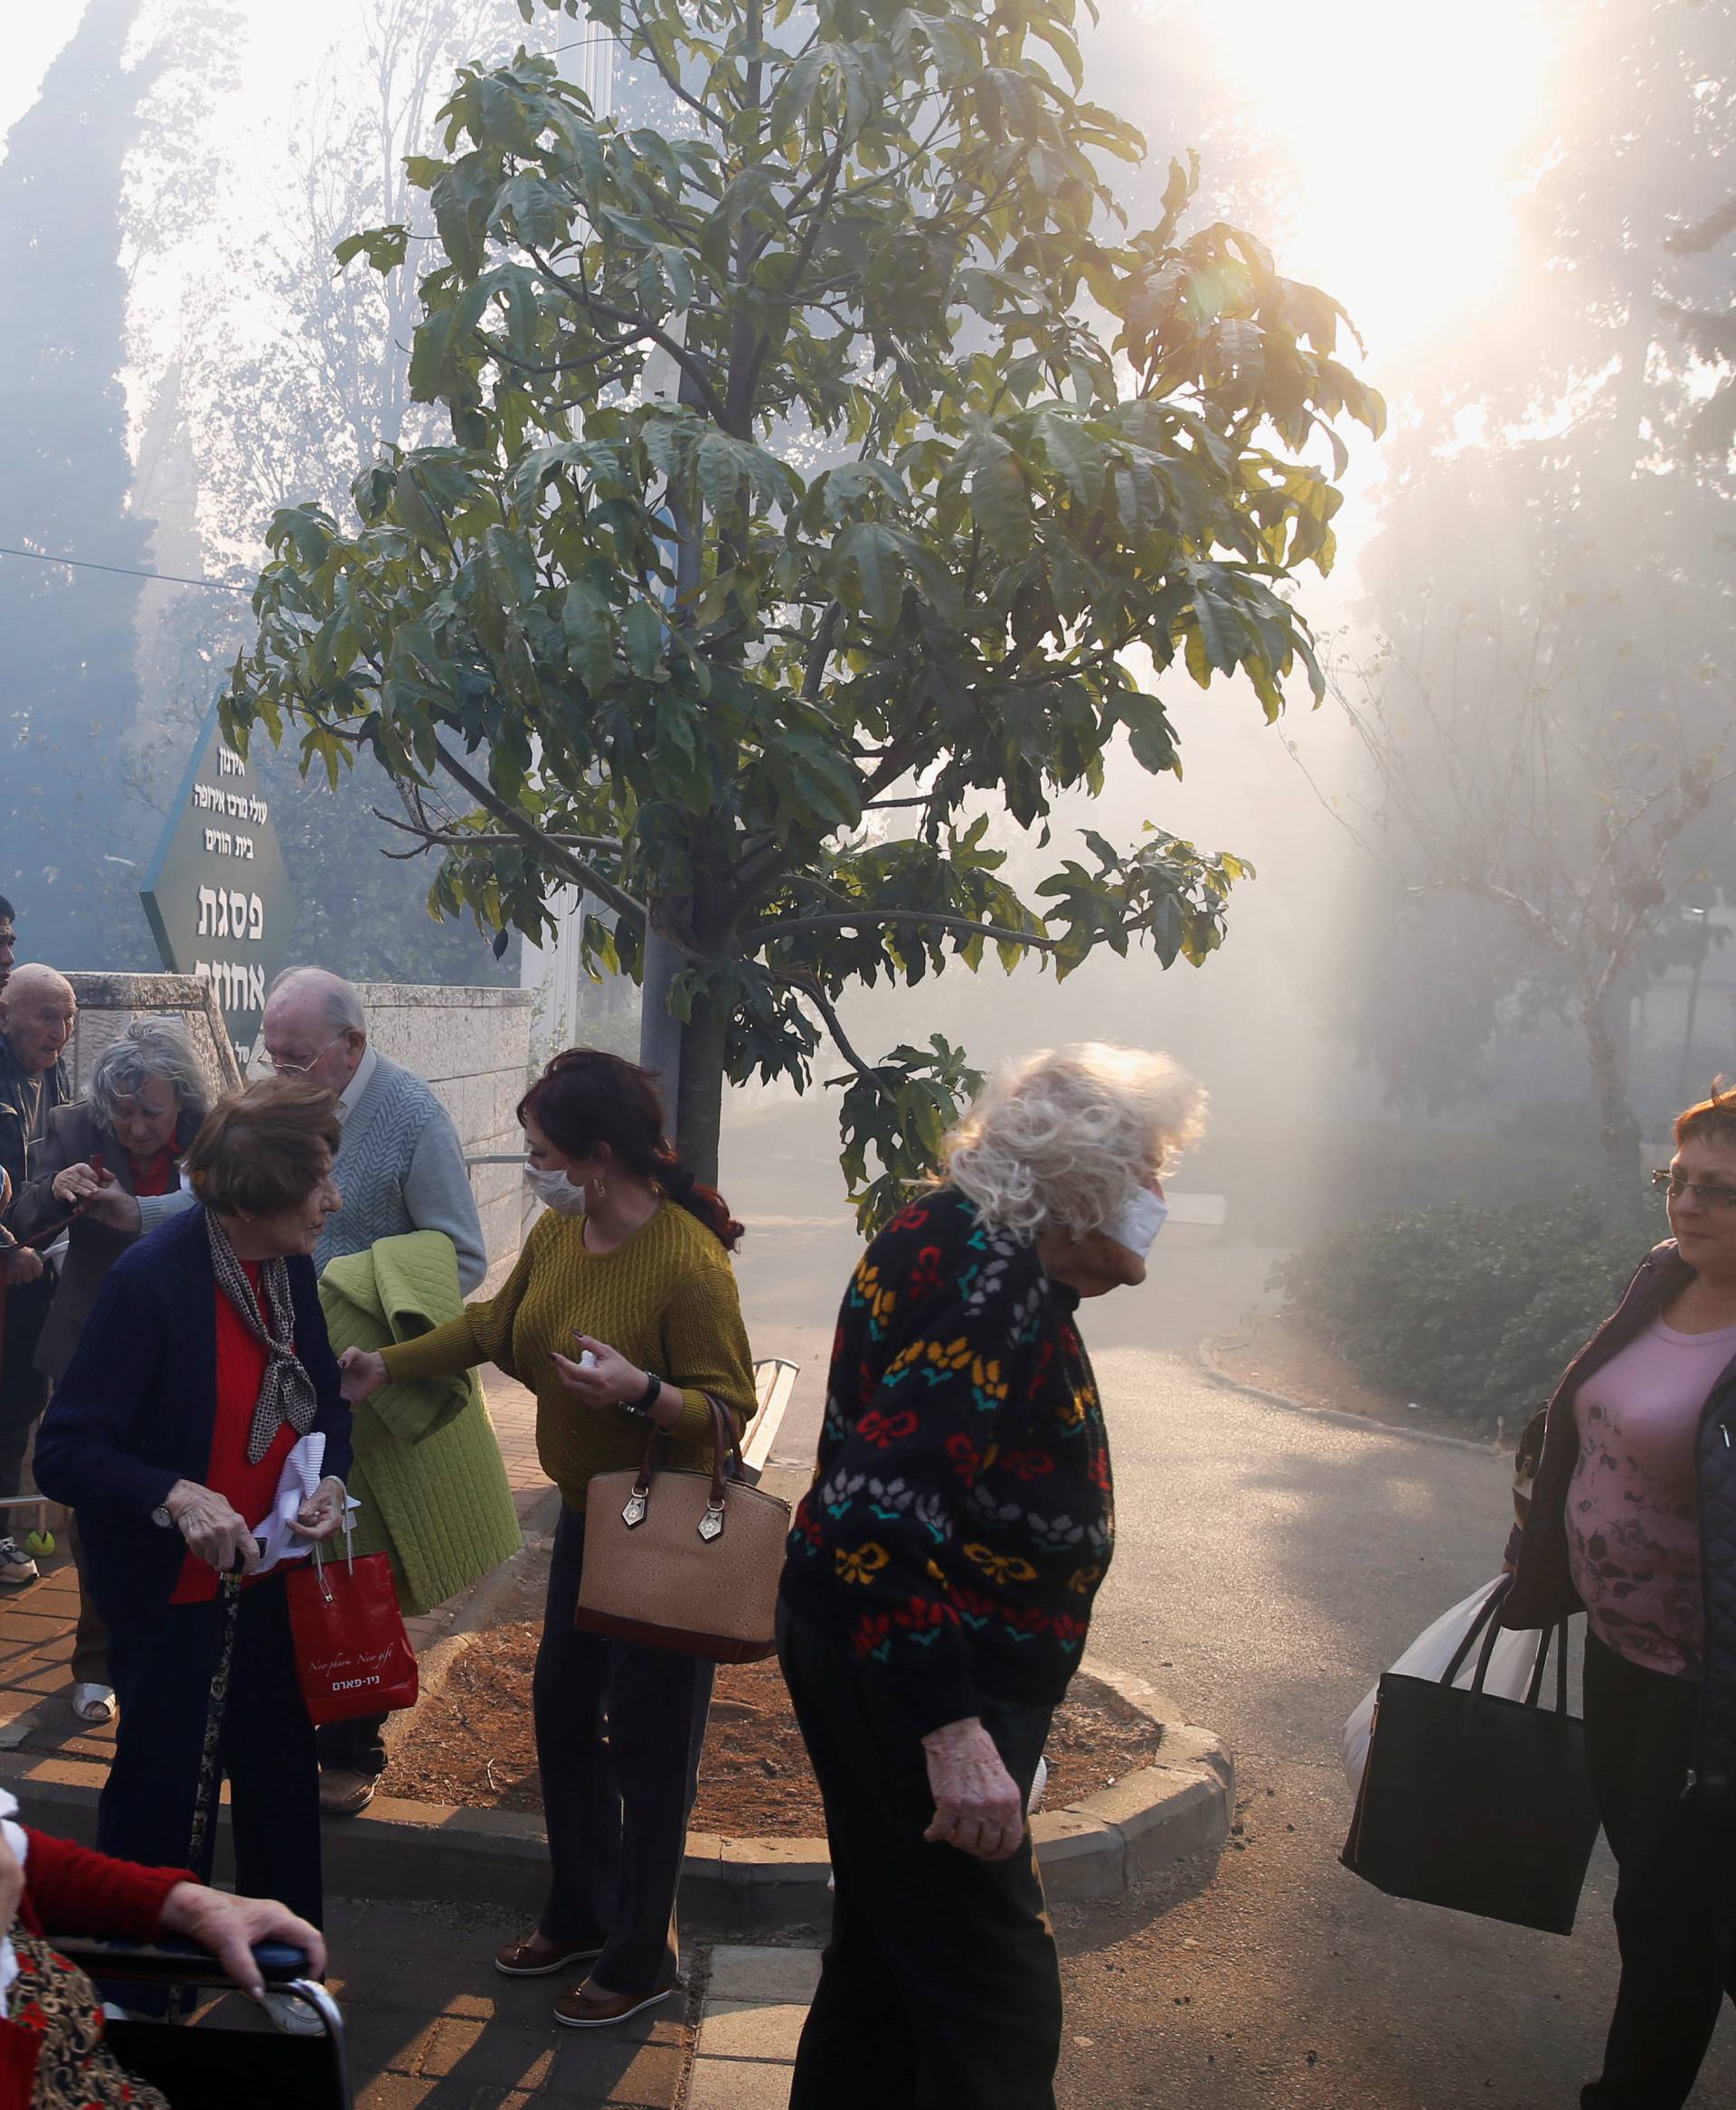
(587, 2007)
(529, 1956)
(343, 1793)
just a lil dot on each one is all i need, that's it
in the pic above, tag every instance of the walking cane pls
(202, 1842)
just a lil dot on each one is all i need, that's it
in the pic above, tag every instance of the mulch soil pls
(471, 1745)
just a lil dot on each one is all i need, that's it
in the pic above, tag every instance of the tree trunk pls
(659, 1029)
(1618, 1125)
(699, 1116)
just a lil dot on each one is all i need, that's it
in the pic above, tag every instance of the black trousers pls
(940, 1988)
(619, 1731)
(356, 1745)
(162, 1662)
(90, 1636)
(23, 1389)
(1675, 1897)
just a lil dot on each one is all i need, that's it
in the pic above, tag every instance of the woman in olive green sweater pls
(621, 1311)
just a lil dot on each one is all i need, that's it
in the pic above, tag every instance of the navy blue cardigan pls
(136, 1410)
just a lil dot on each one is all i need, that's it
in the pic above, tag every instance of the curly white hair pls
(1061, 1139)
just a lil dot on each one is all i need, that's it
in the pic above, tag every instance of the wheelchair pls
(210, 2066)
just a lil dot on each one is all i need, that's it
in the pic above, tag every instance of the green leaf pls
(872, 552)
(642, 631)
(384, 247)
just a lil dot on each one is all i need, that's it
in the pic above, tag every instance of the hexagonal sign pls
(217, 895)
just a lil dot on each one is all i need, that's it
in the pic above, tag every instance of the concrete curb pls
(732, 1888)
(1211, 1368)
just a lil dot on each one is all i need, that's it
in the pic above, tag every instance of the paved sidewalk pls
(36, 1621)
(433, 2026)
(751, 2017)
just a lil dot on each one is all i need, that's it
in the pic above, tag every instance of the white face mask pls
(1139, 1222)
(555, 1191)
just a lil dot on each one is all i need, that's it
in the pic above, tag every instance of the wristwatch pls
(162, 1517)
(647, 1399)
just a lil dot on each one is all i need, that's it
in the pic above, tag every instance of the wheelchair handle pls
(176, 1962)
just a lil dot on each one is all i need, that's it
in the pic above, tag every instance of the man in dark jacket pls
(37, 1008)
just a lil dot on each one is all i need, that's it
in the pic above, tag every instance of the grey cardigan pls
(400, 1169)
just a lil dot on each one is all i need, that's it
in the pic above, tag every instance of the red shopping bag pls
(352, 1655)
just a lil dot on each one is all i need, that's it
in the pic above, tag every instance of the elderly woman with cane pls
(203, 1362)
(112, 1162)
(940, 1575)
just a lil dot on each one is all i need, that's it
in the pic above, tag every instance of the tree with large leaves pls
(840, 461)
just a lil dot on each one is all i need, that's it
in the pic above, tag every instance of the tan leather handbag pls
(685, 1561)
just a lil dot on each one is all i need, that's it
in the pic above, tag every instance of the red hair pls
(1713, 1117)
(587, 1097)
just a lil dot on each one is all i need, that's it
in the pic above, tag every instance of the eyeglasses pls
(285, 1069)
(1708, 1194)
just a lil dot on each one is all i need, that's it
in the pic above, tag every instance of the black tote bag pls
(1478, 1804)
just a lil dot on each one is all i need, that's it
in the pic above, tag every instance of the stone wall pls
(107, 1003)
(472, 1045)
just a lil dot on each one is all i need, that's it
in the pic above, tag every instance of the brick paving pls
(433, 2026)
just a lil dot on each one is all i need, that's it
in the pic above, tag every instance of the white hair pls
(150, 1047)
(1063, 1139)
(342, 1000)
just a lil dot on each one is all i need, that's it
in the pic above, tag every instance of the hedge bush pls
(1473, 1313)
(1289, 1183)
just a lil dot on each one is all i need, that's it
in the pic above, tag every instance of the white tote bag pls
(1511, 1664)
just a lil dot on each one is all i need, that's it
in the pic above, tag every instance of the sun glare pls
(1403, 124)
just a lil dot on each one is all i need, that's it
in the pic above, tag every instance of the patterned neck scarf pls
(286, 1391)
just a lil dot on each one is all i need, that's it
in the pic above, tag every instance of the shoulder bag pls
(1475, 1802)
(685, 1561)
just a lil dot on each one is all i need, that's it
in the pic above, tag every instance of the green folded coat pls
(427, 1471)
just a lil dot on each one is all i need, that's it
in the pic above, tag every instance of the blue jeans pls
(619, 1731)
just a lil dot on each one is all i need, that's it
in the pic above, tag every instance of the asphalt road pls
(1268, 1563)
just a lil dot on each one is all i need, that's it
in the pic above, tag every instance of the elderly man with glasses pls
(400, 1168)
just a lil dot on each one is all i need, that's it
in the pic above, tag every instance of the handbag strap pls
(726, 1453)
(1556, 1635)
(1484, 1617)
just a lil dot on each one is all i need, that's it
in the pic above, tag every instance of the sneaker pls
(15, 1564)
(343, 1794)
(293, 2016)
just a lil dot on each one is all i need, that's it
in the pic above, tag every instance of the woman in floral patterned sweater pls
(940, 1575)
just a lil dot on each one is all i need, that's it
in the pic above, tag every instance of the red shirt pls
(248, 1489)
(155, 1175)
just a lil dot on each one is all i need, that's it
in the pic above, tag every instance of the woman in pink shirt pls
(1632, 1516)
